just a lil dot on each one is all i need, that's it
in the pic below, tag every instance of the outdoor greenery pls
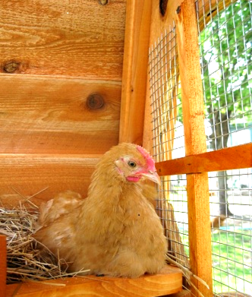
(226, 59)
(231, 252)
(231, 245)
(226, 67)
(226, 62)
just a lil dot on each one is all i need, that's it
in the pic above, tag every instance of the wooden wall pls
(54, 55)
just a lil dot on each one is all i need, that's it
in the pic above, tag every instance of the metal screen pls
(168, 142)
(232, 235)
(168, 134)
(225, 41)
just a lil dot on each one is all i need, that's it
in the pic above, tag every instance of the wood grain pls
(166, 282)
(191, 84)
(22, 176)
(195, 143)
(158, 28)
(49, 115)
(68, 37)
(3, 259)
(148, 126)
(160, 23)
(199, 232)
(236, 157)
(135, 71)
(184, 293)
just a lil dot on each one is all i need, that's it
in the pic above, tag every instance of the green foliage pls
(231, 252)
(231, 256)
(226, 59)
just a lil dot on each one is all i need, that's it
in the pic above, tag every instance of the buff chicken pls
(115, 231)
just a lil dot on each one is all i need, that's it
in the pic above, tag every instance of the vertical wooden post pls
(195, 143)
(135, 65)
(3, 258)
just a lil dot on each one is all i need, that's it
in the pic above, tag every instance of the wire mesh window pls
(232, 234)
(225, 40)
(176, 185)
(168, 134)
(168, 141)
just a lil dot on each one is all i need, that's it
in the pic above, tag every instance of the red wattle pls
(133, 179)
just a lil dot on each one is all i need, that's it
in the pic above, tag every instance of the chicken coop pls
(175, 76)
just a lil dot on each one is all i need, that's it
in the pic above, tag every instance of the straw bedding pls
(27, 259)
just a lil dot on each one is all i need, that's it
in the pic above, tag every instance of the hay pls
(28, 259)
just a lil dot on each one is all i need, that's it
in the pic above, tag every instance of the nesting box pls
(79, 76)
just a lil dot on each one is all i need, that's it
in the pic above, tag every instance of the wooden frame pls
(197, 162)
(3, 256)
(169, 281)
(143, 25)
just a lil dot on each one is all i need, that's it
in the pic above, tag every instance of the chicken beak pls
(153, 176)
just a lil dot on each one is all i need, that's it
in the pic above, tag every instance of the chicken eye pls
(132, 164)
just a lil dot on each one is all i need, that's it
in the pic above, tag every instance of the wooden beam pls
(43, 176)
(195, 143)
(168, 281)
(42, 114)
(71, 37)
(199, 232)
(135, 71)
(3, 259)
(159, 25)
(236, 157)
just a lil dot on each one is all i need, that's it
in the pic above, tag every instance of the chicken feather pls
(114, 231)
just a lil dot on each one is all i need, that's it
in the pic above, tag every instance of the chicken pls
(60, 205)
(115, 231)
(217, 222)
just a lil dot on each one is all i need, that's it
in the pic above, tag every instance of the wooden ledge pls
(168, 281)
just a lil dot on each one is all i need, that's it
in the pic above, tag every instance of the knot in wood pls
(95, 101)
(103, 2)
(11, 66)
(178, 10)
(163, 6)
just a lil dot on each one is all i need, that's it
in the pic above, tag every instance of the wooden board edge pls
(168, 281)
(235, 157)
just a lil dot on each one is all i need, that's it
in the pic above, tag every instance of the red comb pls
(150, 162)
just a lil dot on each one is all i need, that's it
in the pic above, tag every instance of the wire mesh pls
(168, 141)
(231, 191)
(175, 189)
(168, 134)
(225, 40)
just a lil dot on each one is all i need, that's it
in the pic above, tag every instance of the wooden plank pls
(184, 293)
(68, 37)
(199, 232)
(195, 143)
(50, 115)
(161, 23)
(22, 176)
(236, 157)
(135, 70)
(3, 259)
(168, 281)
(148, 127)
(159, 26)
